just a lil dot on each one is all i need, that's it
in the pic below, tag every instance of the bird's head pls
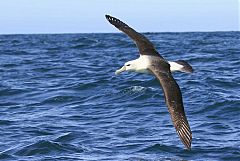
(128, 66)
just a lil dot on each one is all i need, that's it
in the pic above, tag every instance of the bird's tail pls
(181, 65)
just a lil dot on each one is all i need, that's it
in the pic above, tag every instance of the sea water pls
(60, 98)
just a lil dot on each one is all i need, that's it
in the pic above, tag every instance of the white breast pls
(142, 64)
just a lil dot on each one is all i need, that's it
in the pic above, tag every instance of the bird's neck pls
(141, 64)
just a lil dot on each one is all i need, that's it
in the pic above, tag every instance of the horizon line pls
(145, 32)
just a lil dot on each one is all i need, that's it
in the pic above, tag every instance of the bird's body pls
(141, 64)
(151, 62)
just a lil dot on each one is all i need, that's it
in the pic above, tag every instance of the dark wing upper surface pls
(173, 98)
(144, 45)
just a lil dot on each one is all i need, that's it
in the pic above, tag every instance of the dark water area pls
(60, 98)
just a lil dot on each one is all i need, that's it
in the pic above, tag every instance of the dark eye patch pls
(128, 64)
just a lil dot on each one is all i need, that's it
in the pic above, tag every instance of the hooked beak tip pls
(120, 70)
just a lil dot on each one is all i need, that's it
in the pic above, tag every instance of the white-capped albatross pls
(150, 61)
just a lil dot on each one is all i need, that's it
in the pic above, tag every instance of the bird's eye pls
(128, 64)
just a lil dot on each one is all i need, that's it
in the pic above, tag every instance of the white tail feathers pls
(180, 65)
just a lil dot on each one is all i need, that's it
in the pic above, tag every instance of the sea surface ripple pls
(60, 99)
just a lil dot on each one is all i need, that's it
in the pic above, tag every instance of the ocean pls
(60, 98)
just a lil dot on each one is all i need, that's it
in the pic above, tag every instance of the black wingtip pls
(188, 146)
(116, 22)
(109, 18)
(185, 134)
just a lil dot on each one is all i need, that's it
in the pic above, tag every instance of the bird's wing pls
(145, 47)
(173, 99)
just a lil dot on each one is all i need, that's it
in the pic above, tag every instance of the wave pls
(60, 98)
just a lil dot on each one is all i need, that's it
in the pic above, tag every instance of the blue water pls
(60, 98)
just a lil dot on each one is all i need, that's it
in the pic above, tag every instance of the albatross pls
(151, 62)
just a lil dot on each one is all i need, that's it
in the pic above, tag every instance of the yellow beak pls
(120, 70)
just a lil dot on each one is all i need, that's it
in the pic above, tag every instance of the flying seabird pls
(151, 62)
